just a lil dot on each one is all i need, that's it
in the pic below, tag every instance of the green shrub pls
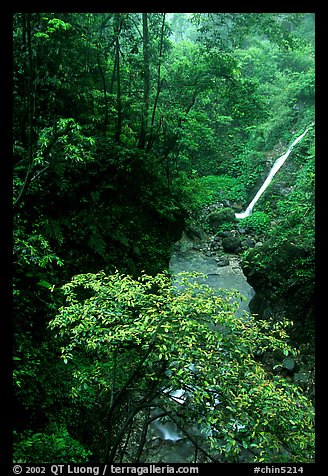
(55, 447)
(150, 332)
(211, 189)
(221, 216)
(227, 226)
(258, 222)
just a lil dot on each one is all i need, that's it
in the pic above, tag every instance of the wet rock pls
(222, 261)
(194, 233)
(247, 243)
(289, 364)
(231, 244)
(226, 234)
(216, 239)
(215, 249)
(238, 207)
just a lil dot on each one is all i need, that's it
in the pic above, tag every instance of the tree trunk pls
(104, 91)
(30, 104)
(118, 79)
(146, 82)
(159, 85)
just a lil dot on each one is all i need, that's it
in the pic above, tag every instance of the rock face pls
(269, 270)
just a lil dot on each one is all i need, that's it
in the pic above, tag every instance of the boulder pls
(231, 244)
(215, 219)
(194, 233)
(247, 243)
(222, 261)
(289, 363)
(238, 207)
(225, 234)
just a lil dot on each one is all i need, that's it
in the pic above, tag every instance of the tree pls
(117, 29)
(230, 30)
(132, 342)
(146, 81)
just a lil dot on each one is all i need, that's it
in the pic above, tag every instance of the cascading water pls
(276, 166)
(175, 447)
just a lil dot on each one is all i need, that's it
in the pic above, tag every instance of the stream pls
(166, 441)
(170, 444)
(218, 277)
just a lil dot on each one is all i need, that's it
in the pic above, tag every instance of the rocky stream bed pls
(218, 256)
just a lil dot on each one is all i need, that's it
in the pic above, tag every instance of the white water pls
(175, 447)
(276, 166)
(168, 431)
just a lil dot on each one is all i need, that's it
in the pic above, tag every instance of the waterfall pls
(276, 166)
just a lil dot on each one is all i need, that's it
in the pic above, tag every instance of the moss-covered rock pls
(231, 244)
(281, 289)
(219, 217)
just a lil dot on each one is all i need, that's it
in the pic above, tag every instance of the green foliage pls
(69, 134)
(284, 266)
(227, 226)
(298, 227)
(89, 196)
(257, 222)
(54, 446)
(285, 82)
(220, 216)
(33, 250)
(53, 25)
(211, 189)
(147, 322)
(301, 199)
(293, 226)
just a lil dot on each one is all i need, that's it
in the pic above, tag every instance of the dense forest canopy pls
(126, 127)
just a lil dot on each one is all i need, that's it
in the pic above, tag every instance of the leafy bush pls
(211, 189)
(258, 222)
(227, 226)
(57, 446)
(223, 215)
(139, 337)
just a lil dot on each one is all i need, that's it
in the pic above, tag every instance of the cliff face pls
(270, 271)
